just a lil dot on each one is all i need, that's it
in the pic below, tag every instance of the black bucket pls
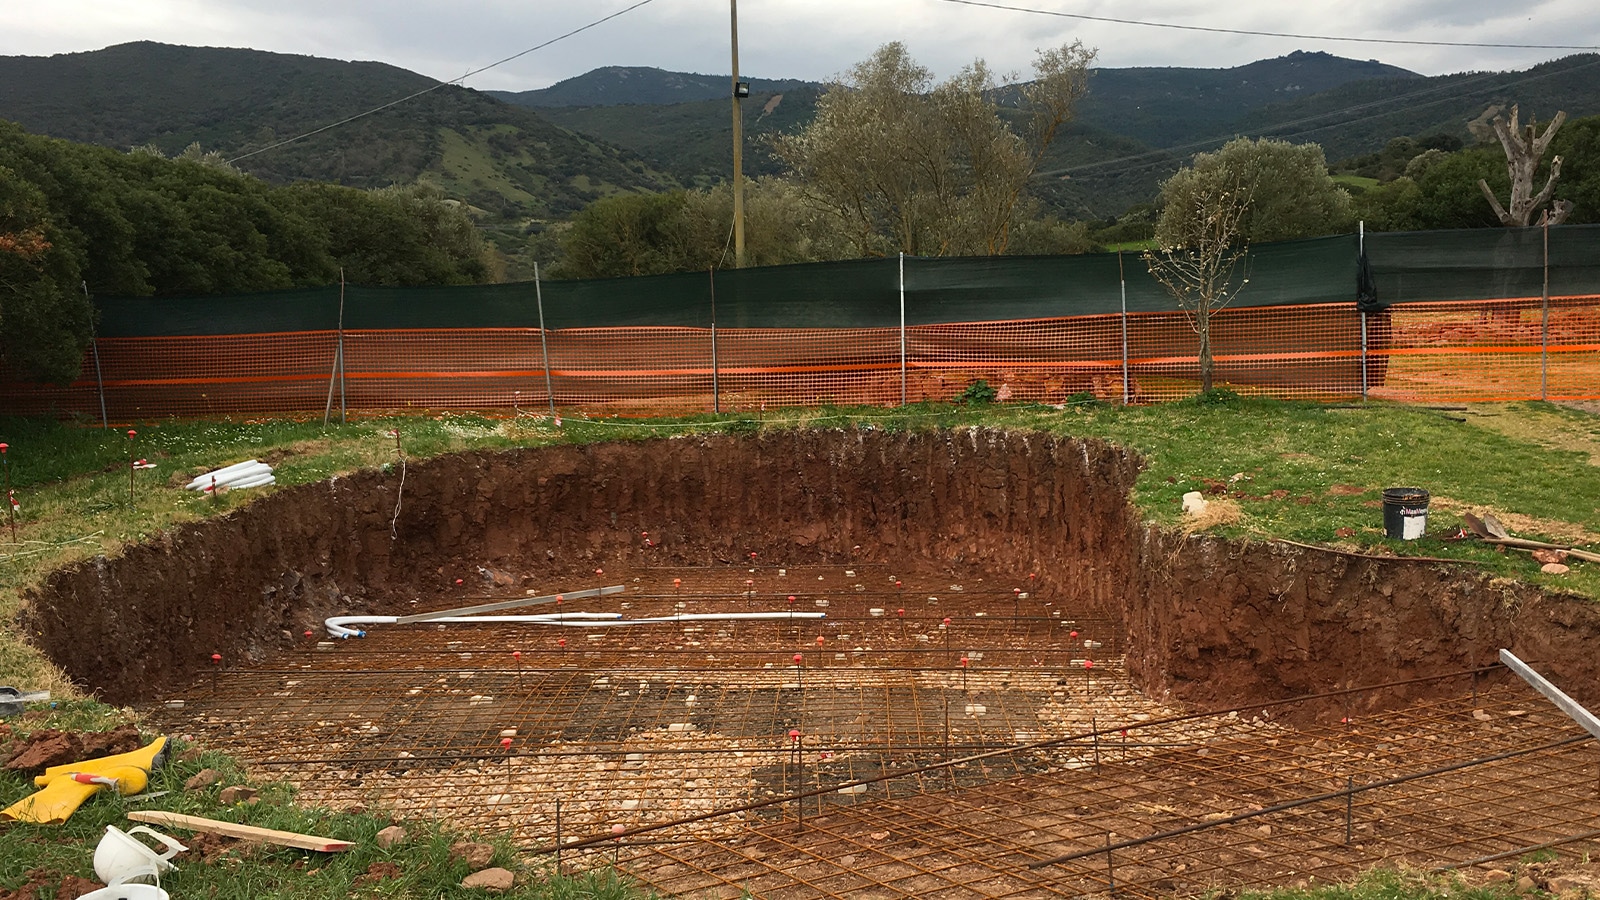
(1405, 512)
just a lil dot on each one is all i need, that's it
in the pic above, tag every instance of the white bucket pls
(126, 892)
(120, 860)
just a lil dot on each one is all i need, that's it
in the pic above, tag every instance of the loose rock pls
(495, 880)
(237, 793)
(202, 779)
(393, 836)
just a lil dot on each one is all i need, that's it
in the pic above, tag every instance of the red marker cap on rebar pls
(797, 658)
(618, 829)
(131, 433)
(516, 654)
(1072, 634)
(677, 581)
(308, 632)
(791, 598)
(963, 661)
(1016, 590)
(752, 554)
(459, 581)
(947, 620)
(900, 612)
(216, 658)
(561, 643)
(4, 447)
(506, 743)
(1088, 664)
(897, 583)
(599, 571)
(794, 734)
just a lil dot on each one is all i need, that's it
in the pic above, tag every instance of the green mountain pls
(1128, 113)
(507, 160)
(1163, 107)
(544, 154)
(1360, 117)
(643, 85)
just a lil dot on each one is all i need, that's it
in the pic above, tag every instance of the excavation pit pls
(1358, 721)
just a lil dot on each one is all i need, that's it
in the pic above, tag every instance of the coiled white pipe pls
(337, 625)
(223, 473)
(229, 475)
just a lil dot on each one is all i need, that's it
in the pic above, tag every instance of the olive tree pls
(1291, 195)
(902, 164)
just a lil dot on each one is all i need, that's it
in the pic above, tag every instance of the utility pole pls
(740, 91)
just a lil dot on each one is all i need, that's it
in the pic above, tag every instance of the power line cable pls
(1304, 37)
(428, 90)
(1275, 128)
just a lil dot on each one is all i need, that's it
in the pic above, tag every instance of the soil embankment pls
(1208, 621)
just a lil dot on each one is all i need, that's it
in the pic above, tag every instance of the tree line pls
(79, 221)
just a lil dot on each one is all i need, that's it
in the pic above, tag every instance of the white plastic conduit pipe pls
(337, 626)
(239, 475)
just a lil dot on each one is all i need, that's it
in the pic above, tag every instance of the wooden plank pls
(509, 604)
(243, 832)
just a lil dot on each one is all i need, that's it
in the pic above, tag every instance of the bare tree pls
(1524, 149)
(1200, 247)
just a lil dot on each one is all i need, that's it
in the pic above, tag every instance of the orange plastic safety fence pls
(1494, 351)
(1420, 352)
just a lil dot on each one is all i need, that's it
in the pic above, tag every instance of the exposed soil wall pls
(247, 582)
(1209, 621)
(1222, 622)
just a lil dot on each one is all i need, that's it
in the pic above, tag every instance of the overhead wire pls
(1163, 156)
(428, 90)
(1254, 33)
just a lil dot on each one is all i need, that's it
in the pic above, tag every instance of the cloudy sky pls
(813, 39)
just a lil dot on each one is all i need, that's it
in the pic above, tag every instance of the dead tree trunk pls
(1524, 148)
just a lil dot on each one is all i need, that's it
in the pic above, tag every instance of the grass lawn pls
(1296, 471)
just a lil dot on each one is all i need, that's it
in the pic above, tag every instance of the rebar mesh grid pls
(908, 756)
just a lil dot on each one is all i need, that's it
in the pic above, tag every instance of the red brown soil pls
(48, 747)
(1209, 621)
(51, 882)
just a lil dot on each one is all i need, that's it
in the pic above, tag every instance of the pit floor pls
(957, 749)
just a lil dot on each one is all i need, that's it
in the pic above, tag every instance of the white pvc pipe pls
(337, 625)
(261, 480)
(205, 483)
(224, 473)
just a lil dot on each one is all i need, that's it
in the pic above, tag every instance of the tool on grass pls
(12, 701)
(64, 788)
(1492, 532)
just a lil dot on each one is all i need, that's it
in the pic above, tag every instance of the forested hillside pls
(503, 159)
(79, 221)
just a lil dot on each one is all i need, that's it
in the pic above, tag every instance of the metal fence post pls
(94, 343)
(1122, 281)
(544, 345)
(337, 374)
(716, 386)
(343, 407)
(1361, 247)
(902, 329)
(1544, 320)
